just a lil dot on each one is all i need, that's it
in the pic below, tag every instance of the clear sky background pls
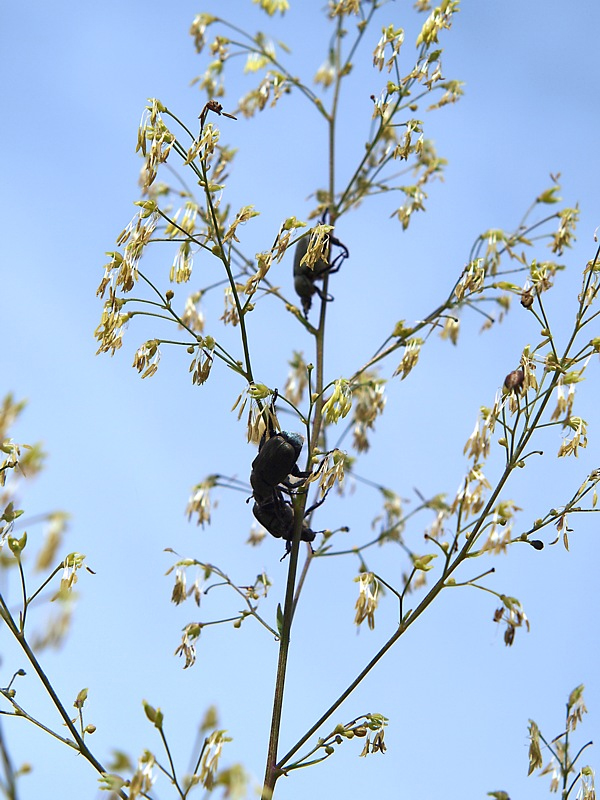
(123, 454)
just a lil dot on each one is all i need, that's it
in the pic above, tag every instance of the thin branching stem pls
(79, 742)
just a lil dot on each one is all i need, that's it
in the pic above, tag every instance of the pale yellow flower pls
(199, 503)
(211, 753)
(273, 6)
(325, 75)
(147, 358)
(440, 18)
(340, 403)
(367, 601)
(410, 357)
(198, 29)
(369, 403)
(187, 648)
(143, 778)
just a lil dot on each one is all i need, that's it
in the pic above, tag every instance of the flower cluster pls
(569, 447)
(470, 497)
(565, 234)
(122, 270)
(180, 591)
(440, 18)
(405, 146)
(369, 403)
(409, 358)
(187, 648)
(511, 612)
(297, 380)
(146, 358)
(391, 522)
(109, 332)
(271, 88)
(143, 778)
(343, 7)
(192, 316)
(154, 131)
(366, 604)
(340, 403)
(211, 753)
(330, 471)
(199, 503)
(202, 362)
(471, 280)
(394, 37)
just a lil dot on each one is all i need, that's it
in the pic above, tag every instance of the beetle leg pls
(326, 298)
(317, 503)
(288, 549)
(337, 262)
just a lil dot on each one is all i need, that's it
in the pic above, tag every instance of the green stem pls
(226, 263)
(272, 770)
(10, 788)
(79, 743)
(440, 584)
(345, 694)
(173, 775)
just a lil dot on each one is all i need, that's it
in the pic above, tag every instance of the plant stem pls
(272, 771)
(79, 743)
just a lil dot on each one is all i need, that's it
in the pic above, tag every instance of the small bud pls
(536, 544)
(258, 391)
(169, 295)
(424, 562)
(81, 698)
(10, 513)
(575, 696)
(17, 545)
(155, 715)
(90, 729)
(514, 380)
(527, 298)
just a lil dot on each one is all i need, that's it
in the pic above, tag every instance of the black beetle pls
(271, 471)
(275, 462)
(277, 516)
(305, 277)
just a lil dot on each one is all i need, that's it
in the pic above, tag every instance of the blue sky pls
(123, 454)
